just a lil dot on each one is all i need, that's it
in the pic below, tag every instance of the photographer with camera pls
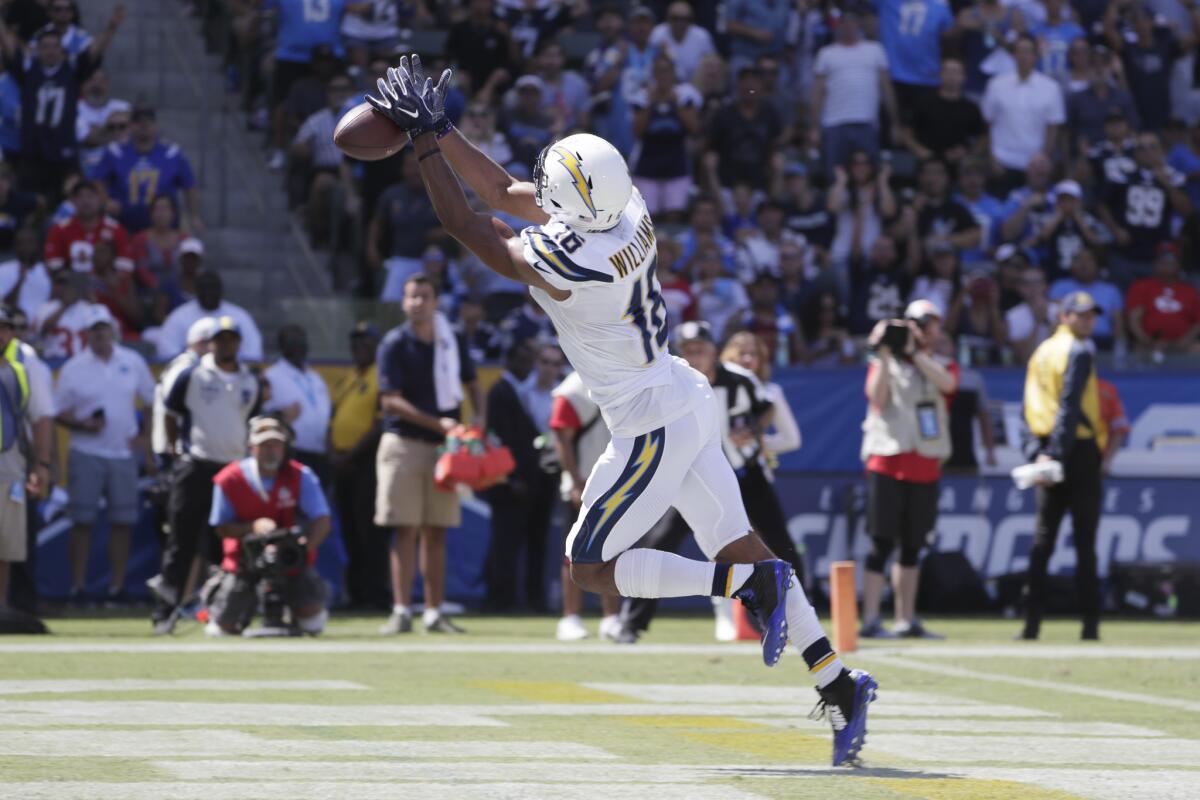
(258, 503)
(906, 438)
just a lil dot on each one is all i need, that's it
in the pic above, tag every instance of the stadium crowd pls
(813, 167)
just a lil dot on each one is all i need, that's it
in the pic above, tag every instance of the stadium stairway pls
(251, 239)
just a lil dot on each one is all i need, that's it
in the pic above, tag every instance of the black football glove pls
(433, 94)
(402, 104)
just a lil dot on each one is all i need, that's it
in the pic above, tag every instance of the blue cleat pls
(765, 595)
(844, 702)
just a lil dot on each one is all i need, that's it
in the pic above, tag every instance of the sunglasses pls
(116, 126)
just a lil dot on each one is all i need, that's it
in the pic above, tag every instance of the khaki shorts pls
(406, 494)
(12, 526)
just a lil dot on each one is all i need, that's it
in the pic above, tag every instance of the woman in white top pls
(747, 353)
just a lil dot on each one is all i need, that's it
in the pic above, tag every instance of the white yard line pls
(1099, 784)
(1024, 727)
(52, 686)
(532, 773)
(1032, 651)
(1035, 683)
(1060, 750)
(223, 743)
(733, 693)
(362, 790)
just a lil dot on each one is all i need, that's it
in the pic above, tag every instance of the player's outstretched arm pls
(489, 180)
(487, 237)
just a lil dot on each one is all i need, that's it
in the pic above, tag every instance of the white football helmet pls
(582, 181)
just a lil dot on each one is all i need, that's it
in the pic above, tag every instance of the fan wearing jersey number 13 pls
(588, 259)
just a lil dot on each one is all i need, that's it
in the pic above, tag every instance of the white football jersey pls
(613, 327)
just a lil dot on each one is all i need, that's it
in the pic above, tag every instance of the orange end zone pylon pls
(844, 606)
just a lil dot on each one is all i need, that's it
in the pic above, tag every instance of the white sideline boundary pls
(71, 686)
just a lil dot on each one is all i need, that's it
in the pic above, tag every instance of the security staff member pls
(1062, 411)
(211, 404)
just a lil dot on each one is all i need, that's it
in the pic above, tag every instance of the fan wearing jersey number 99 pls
(589, 259)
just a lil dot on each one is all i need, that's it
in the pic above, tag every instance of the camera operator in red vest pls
(259, 495)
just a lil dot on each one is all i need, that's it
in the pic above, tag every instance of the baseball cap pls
(531, 81)
(693, 332)
(797, 169)
(1006, 252)
(1079, 303)
(191, 245)
(200, 331)
(99, 314)
(225, 324)
(920, 309)
(642, 11)
(364, 328)
(264, 429)
(1167, 248)
(1070, 188)
(144, 111)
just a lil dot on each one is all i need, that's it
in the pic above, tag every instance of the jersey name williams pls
(629, 257)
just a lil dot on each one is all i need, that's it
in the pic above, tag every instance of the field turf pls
(102, 710)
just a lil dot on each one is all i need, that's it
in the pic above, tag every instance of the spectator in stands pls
(210, 405)
(528, 322)
(10, 116)
(353, 440)
(1085, 277)
(17, 209)
(1011, 263)
(114, 288)
(24, 467)
(24, 281)
(1148, 53)
(50, 81)
(638, 61)
(564, 90)
(530, 124)
(680, 38)
(301, 30)
(851, 79)
(301, 398)
(1185, 159)
(136, 172)
(156, 249)
(940, 219)
(1054, 36)
(1105, 98)
(250, 498)
(179, 285)
(1066, 231)
(374, 27)
(64, 19)
(96, 105)
(704, 229)
(209, 302)
(313, 148)
(604, 69)
(1139, 208)
(769, 321)
(988, 211)
(1024, 109)
(199, 343)
(1164, 311)
(1112, 412)
(719, 297)
(96, 399)
(805, 211)
(62, 322)
(474, 329)
(423, 371)
(940, 280)
(974, 317)
(479, 127)
(665, 115)
(309, 94)
(70, 243)
(862, 202)
(878, 285)
(530, 24)
(1028, 206)
(1034, 319)
(968, 408)
(400, 229)
(27, 17)
(1112, 155)
(945, 123)
(482, 48)
(911, 32)
(827, 338)
(743, 137)
(755, 28)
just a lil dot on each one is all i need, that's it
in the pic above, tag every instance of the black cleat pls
(765, 595)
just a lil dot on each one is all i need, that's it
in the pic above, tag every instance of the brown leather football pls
(368, 136)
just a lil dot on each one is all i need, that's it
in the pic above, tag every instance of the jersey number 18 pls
(647, 310)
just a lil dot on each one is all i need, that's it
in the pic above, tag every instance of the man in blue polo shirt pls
(911, 32)
(136, 172)
(423, 368)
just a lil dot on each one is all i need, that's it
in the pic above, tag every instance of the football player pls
(590, 261)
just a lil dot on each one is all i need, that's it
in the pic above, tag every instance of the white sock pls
(808, 637)
(402, 610)
(654, 573)
(430, 616)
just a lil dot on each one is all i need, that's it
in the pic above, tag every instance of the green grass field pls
(102, 710)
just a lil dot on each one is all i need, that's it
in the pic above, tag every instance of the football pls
(367, 136)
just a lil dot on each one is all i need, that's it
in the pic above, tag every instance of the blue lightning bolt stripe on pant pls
(639, 477)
